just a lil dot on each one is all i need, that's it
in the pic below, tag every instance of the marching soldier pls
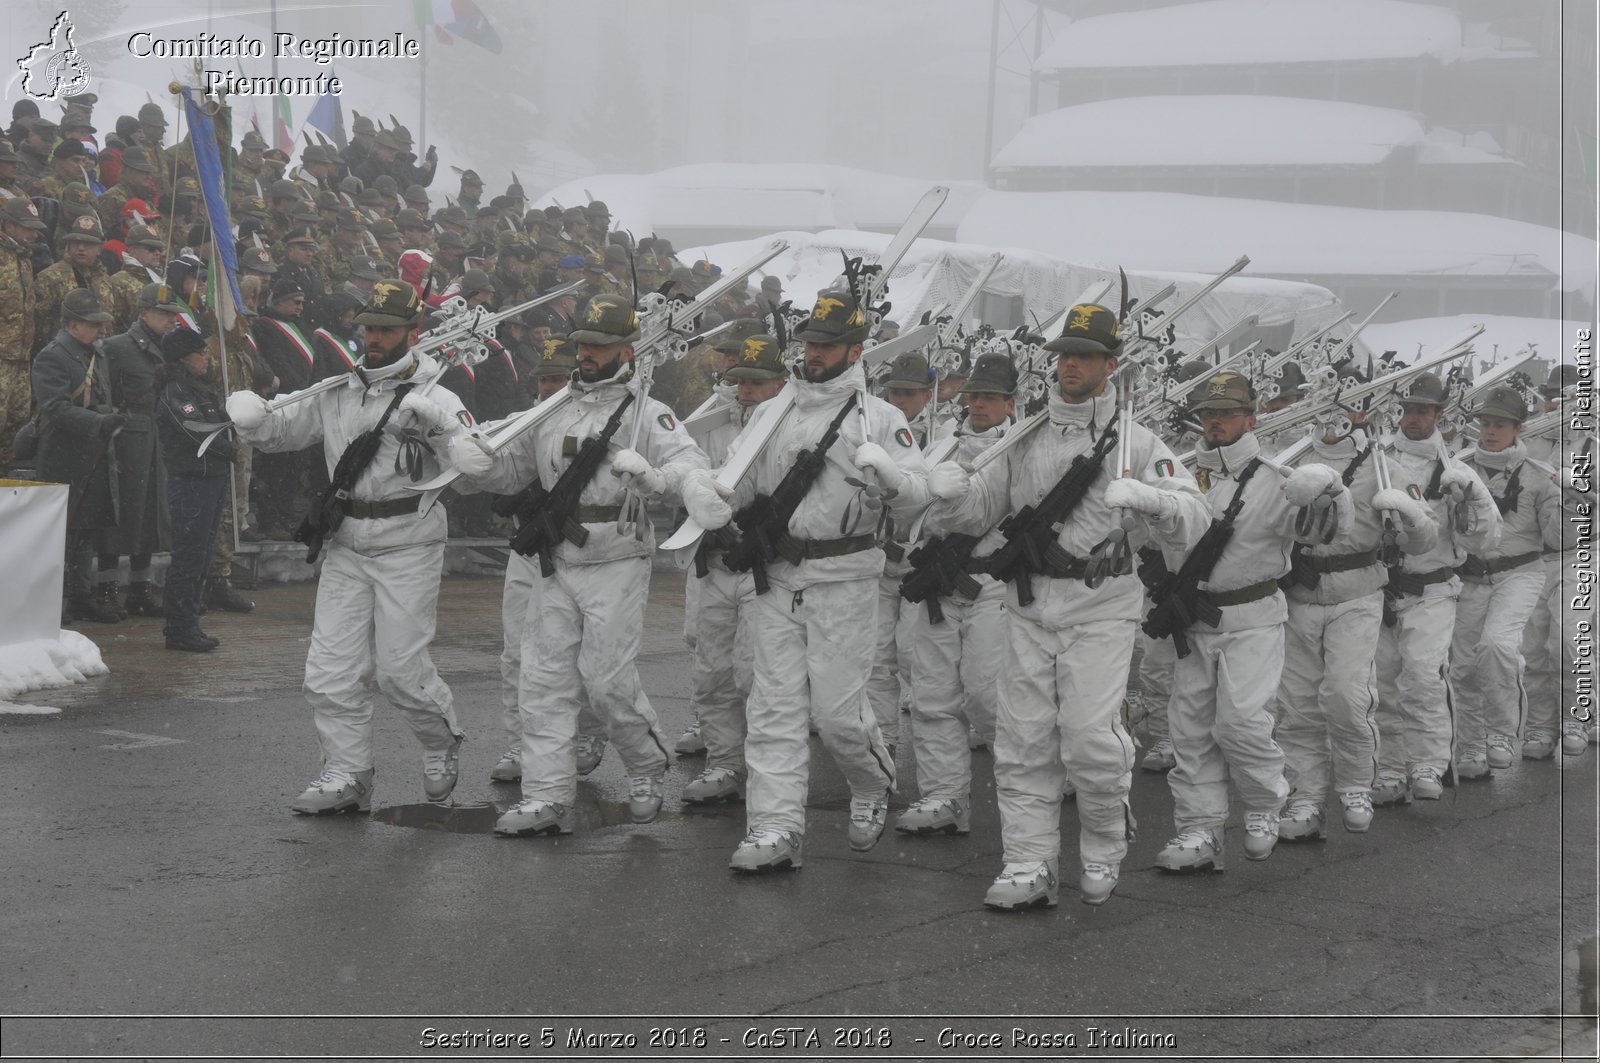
(812, 653)
(1414, 724)
(591, 605)
(1500, 590)
(378, 593)
(954, 664)
(1069, 648)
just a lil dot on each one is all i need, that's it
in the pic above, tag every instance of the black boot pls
(190, 643)
(110, 594)
(221, 595)
(141, 601)
(101, 608)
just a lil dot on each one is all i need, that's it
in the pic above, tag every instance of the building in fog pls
(1391, 111)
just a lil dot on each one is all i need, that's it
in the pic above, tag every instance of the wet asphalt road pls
(151, 868)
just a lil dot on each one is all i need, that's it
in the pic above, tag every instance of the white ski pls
(747, 447)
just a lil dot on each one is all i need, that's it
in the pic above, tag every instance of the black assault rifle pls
(328, 513)
(546, 518)
(764, 523)
(1179, 602)
(1030, 532)
(939, 570)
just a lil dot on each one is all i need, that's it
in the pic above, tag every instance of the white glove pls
(426, 413)
(871, 456)
(646, 478)
(469, 454)
(1132, 493)
(1412, 513)
(1305, 484)
(706, 500)
(247, 410)
(1453, 478)
(949, 481)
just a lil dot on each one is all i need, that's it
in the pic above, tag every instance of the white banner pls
(33, 544)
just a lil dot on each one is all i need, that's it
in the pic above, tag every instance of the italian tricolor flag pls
(457, 18)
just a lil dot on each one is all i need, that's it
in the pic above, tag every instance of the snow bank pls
(44, 663)
(1170, 230)
(1240, 32)
(1211, 131)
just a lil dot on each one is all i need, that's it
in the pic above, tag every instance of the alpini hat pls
(760, 358)
(1426, 389)
(1561, 378)
(1090, 329)
(835, 318)
(993, 374)
(19, 210)
(159, 297)
(607, 319)
(1224, 391)
(85, 228)
(81, 304)
(1504, 402)
(1291, 379)
(393, 302)
(558, 357)
(910, 370)
(731, 340)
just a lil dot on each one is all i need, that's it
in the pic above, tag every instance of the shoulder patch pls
(1165, 468)
(1414, 491)
(903, 437)
(666, 421)
(464, 417)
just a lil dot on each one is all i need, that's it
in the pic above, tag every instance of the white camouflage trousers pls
(883, 685)
(374, 620)
(1221, 719)
(811, 664)
(954, 675)
(1414, 699)
(1547, 646)
(723, 668)
(519, 599)
(582, 635)
(1059, 717)
(1486, 659)
(1328, 697)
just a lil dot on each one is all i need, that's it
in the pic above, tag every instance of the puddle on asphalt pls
(479, 817)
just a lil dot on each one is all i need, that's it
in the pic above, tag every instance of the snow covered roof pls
(1241, 32)
(1176, 231)
(1211, 131)
(939, 271)
(1551, 337)
(763, 197)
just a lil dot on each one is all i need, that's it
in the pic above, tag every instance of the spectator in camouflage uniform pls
(19, 228)
(69, 162)
(138, 181)
(144, 262)
(80, 268)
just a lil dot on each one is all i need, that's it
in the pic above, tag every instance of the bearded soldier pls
(812, 631)
(1068, 645)
(592, 592)
(377, 597)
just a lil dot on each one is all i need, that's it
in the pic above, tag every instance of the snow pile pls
(1170, 230)
(1211, 131)
(1242, 32)
(44, 663)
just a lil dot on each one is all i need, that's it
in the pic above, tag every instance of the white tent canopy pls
(937, 272)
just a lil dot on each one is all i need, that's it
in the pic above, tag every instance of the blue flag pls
(328, 117)
(208, 161)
